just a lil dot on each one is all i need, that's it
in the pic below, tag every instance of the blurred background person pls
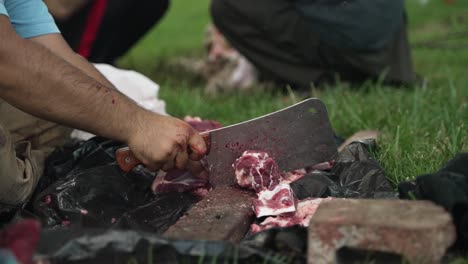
(103, 30)
(309, 42)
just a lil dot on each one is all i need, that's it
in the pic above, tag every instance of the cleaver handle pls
(127, 160)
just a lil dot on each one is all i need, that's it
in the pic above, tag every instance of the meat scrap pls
(278, 201)
(257, 171)
(305, 210)
(294, 175)
(180, 181)
(327, 165)
(291, 176)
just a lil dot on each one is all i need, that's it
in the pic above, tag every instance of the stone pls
(420, 231)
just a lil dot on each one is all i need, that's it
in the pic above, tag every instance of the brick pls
(225, 214)
(419, 231)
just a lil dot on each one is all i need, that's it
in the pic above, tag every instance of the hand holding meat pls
(162, 142)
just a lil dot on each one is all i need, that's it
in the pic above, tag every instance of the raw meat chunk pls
(294, 175)
(180, 181)
(305, 210)
(327, 165)
(256, 170)
(278, 201)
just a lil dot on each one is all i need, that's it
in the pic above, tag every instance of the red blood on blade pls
(257, 171)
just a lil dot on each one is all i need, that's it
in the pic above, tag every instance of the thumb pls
(197, 146)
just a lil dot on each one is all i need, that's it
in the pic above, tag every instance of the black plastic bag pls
(120, 246)
(86, 188)
(77, 156)
(95, 195)
(158, 215)
(355, 174)
(73, 156)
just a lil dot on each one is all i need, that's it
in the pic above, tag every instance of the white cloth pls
(134, 85)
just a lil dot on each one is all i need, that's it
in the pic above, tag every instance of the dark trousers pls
(122, 24)
(281, 44)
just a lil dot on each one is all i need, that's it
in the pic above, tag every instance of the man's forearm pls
(39, 82)
(57, 45)
(62, 10)
(85, 66)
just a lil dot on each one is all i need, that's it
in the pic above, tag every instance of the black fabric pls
(124, 23)
(448, 188)
(280, 43)
(354, 24)
(355, 174)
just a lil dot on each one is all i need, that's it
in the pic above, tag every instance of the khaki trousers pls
(25, 142)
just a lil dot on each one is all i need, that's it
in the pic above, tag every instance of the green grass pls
(422, 127)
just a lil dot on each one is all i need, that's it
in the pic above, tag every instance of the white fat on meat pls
(278, 201)
(256, 170)
(291, 176)
(305, 210)
(275, 198)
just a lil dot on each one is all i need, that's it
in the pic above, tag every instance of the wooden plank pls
(225, 214)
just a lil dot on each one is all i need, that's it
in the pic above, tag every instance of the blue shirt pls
(354, 24)
(30, 18)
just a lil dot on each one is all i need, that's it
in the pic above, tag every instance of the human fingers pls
(170, 162)
(197, 147)
(153, 166)
(181, 159)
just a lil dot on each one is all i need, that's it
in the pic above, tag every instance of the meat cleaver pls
(295, 137)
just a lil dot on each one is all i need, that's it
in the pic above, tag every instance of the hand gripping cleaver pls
(295, 137)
